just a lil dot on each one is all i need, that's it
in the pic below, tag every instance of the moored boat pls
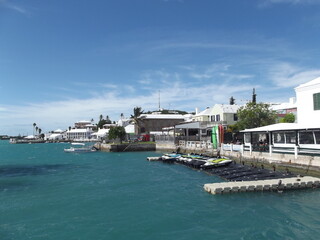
(80, 148)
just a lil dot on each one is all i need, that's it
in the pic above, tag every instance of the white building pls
(79, 134)
(297, 139)
(102, 133)
(308, 102)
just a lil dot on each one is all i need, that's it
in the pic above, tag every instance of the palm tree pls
(34, 125)
(137, 111)
(37, 129)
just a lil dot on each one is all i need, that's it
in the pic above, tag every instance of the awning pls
(283, 127)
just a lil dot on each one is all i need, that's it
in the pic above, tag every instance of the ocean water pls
(48, 194)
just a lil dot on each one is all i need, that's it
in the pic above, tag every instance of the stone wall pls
(125, 147)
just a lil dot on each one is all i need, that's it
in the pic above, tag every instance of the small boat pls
(79, 148)
(216, 162)
(170, 157)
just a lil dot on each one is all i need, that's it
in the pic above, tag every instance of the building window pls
(278, 138)
(317, 136)
(316, 101)
(212, 118)
(235, 117)
(306, 137)
(218, 117)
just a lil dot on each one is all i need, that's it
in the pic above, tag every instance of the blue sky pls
(64, 61)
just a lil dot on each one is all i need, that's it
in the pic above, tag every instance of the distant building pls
(283, 109)
(80, 134)
(84, 124)
(224, 114)
(154, 123)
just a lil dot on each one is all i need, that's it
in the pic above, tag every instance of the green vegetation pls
(254, 115)
(117, 132)
(288, 118)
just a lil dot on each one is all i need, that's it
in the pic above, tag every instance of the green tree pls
(288, 118)
(254, 115)
(117, 132)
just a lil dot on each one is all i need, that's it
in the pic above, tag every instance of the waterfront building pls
(56, 135)
(85, 124)
(155, 122)
(308, 102)
(224, 114)
(100, 134)
(79, 134)
(290, 142)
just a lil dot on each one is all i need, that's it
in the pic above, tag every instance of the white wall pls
(305, 109)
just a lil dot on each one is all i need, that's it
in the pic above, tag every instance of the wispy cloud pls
(265, 3)
(287, 75)
(175, 93)
(10, 5)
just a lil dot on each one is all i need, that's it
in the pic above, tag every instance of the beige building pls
(220, 113)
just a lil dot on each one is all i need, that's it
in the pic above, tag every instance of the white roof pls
(226, 108)
(101, 132)
(205, 112)
(79, 130)
(84, 121)
(310, 83)
(55, 135)
(30, 137)
(58, 131)
(283, 106)
(284, 127)
(162, 116)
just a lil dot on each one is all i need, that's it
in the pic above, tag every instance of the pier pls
(263, 185)
(248, 178)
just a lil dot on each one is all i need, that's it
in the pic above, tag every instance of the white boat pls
(216, 162)
(80, 148)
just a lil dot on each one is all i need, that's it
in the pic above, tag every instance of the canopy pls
(284, 127)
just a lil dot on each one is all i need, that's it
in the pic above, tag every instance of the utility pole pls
(159, 100)
(254, 96)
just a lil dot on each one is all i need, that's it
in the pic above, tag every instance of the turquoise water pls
(48, 194)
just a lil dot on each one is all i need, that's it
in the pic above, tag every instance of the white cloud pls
(293, 2)
(109, 85)
(8, 4)
(288, 75)
(62, 114)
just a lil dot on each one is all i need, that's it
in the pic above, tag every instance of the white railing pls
(195, 145)
(232, 147)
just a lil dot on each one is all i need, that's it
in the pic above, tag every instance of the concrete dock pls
(263, 185)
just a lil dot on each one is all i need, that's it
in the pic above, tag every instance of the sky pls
(65, 61)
